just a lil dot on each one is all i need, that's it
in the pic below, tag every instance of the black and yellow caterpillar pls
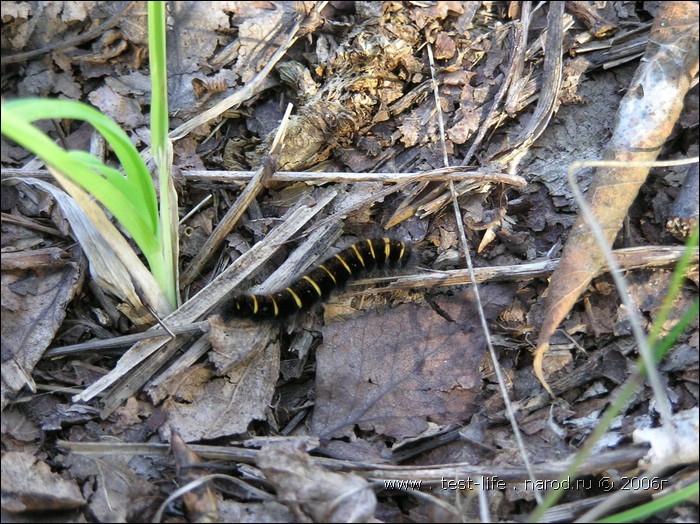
(316, 285)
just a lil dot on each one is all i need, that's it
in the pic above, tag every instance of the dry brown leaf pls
(395, 371)
(33, 308)
(115, 491)
(644, 121)
(122, 109)
(226, 405)
(201, 503)
(28, 484)
(313, 492)
(37, 285)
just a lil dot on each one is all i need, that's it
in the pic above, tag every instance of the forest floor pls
(383, 403)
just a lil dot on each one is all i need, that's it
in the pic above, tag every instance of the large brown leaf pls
(394, 371)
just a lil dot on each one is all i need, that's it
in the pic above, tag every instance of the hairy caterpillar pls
(316, 285)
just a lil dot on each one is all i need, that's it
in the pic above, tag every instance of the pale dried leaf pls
(313, 492)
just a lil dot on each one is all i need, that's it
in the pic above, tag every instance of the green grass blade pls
(159, 80)
(31, 110)
(162, 150)
(651, 508)
(675, 286)
(126, 202)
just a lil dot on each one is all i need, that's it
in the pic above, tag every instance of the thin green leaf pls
(31, 110)
(114, 176)
(162, 148)
(651, 508)
(159, 80)
(674, 288)
(138, 222)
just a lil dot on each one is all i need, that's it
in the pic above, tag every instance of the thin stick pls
(230, 219)
(482, 317)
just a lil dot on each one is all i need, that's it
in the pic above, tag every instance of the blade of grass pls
(162, 147)
(139, 223)
(650, 508)
(675, 286)
(32, 109)
(634, 382)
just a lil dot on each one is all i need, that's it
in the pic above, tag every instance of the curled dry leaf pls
(201, 503)
(28, 484)
(311, 491)
(644, 121)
